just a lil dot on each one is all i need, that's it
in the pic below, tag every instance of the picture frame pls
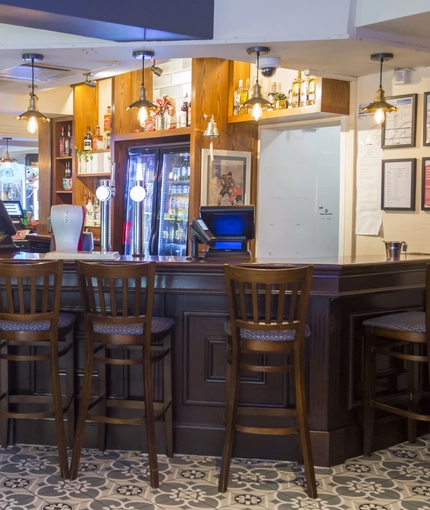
(398, 184)
(216, 187)
(425, 185)
(399, 128)
(426, 121)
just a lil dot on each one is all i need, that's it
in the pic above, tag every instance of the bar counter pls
(345, 292)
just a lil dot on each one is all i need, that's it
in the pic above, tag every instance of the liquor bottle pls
(244, 97)
(108, 139)
(185, 117)
(236, 101)
(312, 88)
(65, 178)
(272, 93)
(85, 197)
(62, 142)
(107, 120)
(88, 140)
(295, 90)
(89, 216)
(70, 137)
(97, 140)
(303, 92)
(67, 151)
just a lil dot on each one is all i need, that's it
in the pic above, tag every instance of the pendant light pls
(7, 160)
(142, 103)
(257, 102)
(380, 107)
(32, 114)
(211, 132)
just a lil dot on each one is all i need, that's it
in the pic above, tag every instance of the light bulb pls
(6, 164)
(142, 115)
(137, 193)
(32, 125)
(379, 116)
(256, 111)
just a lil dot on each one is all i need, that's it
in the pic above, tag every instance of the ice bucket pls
(394, 249)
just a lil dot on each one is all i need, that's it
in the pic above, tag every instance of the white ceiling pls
(347, 55)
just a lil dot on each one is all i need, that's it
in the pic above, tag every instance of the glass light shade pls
(257, 111)
(137, 193)
(6, 164)
(103, 193)
(379, 116)
(142, 115)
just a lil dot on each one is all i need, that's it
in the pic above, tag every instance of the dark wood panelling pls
(44, 142)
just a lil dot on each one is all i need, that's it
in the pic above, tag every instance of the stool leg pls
(230, 419)
(102, 384)
(167, 383)
(58, 409)
(150, 418)
(410, 370)
(303, 424)
(70, 388)
(369, 392)
(4, 397)
(83, 410)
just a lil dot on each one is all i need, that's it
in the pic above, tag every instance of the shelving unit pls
(60, 196)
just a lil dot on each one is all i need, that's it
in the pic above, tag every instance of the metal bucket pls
(394, 249)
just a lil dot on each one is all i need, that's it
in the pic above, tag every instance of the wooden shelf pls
(64, 192)
(104, 174)
(152, 134)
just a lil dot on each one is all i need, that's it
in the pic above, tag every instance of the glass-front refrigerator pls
(166, 178)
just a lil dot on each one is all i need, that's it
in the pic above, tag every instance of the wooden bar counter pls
(345, 292)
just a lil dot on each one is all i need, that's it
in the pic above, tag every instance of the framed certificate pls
(399, 127)
(398, 184)
(426, 124)
(425, 185)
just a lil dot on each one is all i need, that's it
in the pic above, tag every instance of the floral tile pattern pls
(394, 479)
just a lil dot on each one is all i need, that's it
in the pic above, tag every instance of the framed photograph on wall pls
(398, 184)
(399, 128)
(226, 179)
(426, 123)
(425, 185)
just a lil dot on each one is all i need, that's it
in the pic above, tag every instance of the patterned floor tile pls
(194, 461)
(18, 498)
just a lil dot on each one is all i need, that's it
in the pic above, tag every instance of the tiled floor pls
(397, 478)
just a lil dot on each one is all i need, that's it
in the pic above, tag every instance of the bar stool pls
(117, 302)
(30, 324)
(267, 316)
(398, 336)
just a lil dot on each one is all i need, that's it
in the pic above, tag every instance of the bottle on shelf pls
(68, 142)
(303, 92)
(98, 140)
(85, 197)
(67, 179)
(185, 111)
(271, 95)
(312, 88)
(88, 140)
(295, 90)
(62, 142)
(236, 99)
(244, 97)
(108, 139)
(96, 213)
(89, 212)
(107, 119)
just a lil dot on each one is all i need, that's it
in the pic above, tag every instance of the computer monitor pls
(7, 230)
(232, 227)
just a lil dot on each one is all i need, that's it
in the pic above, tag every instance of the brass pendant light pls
(257, 102)
(7, 160)
(142, 103)
(32, 115)
(380, 107)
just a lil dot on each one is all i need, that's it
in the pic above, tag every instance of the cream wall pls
(412, 227)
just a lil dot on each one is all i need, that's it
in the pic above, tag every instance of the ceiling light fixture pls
(142, 103)
(7, 160)
(89, 83)
(158, 71)
(32, 114)
(257, 102)
(380, 107)
(211, 132)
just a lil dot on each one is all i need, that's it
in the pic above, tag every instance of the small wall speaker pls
(402, 76)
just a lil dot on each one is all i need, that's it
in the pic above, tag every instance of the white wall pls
(412, 227)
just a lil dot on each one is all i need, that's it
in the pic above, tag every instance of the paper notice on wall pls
(368, 185)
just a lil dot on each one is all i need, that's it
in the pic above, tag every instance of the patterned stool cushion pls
(64, 321)
(266, 336)
(412, 322)
(159, 325)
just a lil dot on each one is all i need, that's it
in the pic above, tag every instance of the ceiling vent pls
(42, 72)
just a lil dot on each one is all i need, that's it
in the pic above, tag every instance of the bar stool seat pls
(400, 340)
(117, 303)
(268, 310)
(30, 319)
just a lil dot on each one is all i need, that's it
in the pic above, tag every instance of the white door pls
(298, 193)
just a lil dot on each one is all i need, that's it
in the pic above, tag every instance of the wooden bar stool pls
(33, 330)
(267, 317)
(117, 301)
(400, 339)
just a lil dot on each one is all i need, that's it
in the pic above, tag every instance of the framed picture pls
(426, 124)
(226, 179)
(399, 128)
(398, 184)
(425, 185)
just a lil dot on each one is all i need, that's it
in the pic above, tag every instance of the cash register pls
(226, 230)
